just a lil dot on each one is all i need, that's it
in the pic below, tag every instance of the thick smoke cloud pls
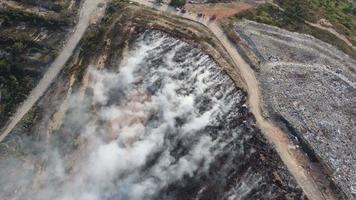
(137, 130)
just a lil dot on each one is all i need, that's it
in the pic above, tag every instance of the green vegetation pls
(340, 13)
(89, 43)
(29, 119)
(23, 60)
(12, 16)
(53, 5)
(177, 3)
(293, 18)
(15, 80)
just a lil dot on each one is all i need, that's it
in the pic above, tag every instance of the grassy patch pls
(23, 60)
(177, 3)
(92, 39)
(340, 13)
(293, 20)
(18, 73)
(12, 17)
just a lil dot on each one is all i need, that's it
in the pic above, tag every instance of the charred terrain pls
(152, 105)
(157, 119)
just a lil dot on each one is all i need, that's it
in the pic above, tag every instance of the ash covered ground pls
(168, 123)
(311, 85)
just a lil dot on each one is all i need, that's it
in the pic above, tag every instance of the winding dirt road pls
(274, 134)
(87, 10)
(334, 32)
(319, 26)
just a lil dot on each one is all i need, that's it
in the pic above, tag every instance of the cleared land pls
(220, 10)
(233, 173)
(310, 85)
(294, 159)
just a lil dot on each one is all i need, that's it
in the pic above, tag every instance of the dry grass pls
(220, 10)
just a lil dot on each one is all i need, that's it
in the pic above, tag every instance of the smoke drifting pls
(168, 123)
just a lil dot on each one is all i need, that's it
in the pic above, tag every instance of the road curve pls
(317, 25)
(273, 133)
(332, 31)
(86, 11)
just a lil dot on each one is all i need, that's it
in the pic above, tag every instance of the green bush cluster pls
(13, 16)
(23, 60)
(89, 43)
(293, 18)
(341, 13)
(18, 73)
(177, 3)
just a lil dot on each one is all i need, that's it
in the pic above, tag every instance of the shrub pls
(177, 3)
(18, 47)
(4, 66)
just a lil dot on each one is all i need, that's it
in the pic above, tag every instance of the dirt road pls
(273, 133)
(87, 10)
(220, 10)
(334, 32)
(319, 26)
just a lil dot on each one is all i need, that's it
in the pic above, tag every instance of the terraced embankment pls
(310, 85)
(294, 159)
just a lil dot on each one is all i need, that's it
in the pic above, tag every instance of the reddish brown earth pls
(220, 10)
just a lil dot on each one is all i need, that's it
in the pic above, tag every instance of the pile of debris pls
(311, 85)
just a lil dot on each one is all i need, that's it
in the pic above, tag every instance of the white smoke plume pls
(138, 130)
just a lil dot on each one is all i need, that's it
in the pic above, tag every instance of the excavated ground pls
(309, 87)
(165, 80)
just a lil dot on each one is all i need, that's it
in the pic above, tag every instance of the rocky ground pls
(310, 86)
(31, 33)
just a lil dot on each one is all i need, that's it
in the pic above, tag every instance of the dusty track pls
(220, 10)
(89, 6)
(332, 31)
(274, 134)
(319, 26)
